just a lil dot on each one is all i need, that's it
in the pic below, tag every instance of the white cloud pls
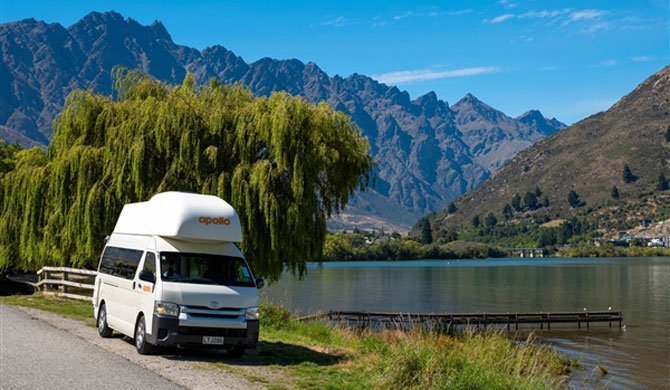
(502, 18)
(544, 13)
(523, 39)
(336, 22)
(642, 59)
(408, 76)
(508, 3)
(460, 12)
(586, 14)
(606, 63)
(378, 21)
(404, 15)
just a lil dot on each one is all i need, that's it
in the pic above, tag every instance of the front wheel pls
(141, 344)
(103, 329)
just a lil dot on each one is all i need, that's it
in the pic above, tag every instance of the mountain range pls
(588, 158)
(427, 153)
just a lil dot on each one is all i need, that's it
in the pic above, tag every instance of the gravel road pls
(40, 350)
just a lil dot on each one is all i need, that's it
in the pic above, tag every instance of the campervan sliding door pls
(128, 261)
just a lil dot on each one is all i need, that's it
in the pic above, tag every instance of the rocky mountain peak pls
(536, 119)
(159, 31)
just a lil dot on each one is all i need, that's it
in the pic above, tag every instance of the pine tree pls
(614, 192)
(545, 201)
(451, 208)
(538, 192)
(573, 199)
(490, 220)
(516, 202)
(270, 157)
(667, 134)
(628, 176)
(451, 235)
(475, 221)
(530, 200)
(426, 232)
(662, 183)
(507, 212)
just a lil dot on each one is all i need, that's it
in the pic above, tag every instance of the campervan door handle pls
(133, 284)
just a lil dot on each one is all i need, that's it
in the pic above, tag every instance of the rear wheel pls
(236, 352)
(103, 329)
(141, 344)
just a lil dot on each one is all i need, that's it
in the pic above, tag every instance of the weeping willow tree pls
(284, 164)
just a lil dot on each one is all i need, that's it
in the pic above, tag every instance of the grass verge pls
(315, 355)
(71, 308)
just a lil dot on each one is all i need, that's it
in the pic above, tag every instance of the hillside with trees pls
(605, 173)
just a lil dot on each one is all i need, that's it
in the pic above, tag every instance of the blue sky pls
(569, 59)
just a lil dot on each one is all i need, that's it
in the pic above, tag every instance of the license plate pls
(212, 340)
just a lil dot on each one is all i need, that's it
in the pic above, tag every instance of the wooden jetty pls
(446, 321)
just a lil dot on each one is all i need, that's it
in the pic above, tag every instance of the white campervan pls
(171, 275)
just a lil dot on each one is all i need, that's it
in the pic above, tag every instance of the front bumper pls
(165, 332)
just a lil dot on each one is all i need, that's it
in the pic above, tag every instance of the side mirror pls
(147, 276)
(260, 283)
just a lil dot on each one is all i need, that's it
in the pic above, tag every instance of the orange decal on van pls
(215, 220)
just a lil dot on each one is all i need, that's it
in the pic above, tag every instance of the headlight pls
(252, 313)
(166, 309)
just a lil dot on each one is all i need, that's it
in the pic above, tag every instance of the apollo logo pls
(214, 221)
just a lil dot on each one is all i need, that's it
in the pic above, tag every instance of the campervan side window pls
(120, 262)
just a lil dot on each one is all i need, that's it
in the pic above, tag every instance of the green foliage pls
(352, 246)
(628, 176)
(516, 202)
(530, 200)
(8, 156)
(284, 164)
(426, 233)
(451, 208)
(490, 220)
(662, 184)
(507, 212)
(573, 199)
(609, 250)
(475, 221)
(614, 193)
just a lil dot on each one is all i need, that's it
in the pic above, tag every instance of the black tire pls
(141, 344)
(236, 352)
(103, 329)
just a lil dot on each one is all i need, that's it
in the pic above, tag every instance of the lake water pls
(637, 356)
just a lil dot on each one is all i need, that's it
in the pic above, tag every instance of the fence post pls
(65, 287)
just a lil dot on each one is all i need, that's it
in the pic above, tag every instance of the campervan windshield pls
(199, 268)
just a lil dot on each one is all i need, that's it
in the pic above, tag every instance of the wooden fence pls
(66, 282)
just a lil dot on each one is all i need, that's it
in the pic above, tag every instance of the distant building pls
(646, 222)
(625, 236)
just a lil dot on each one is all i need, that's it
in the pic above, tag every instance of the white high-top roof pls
(183, 216)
